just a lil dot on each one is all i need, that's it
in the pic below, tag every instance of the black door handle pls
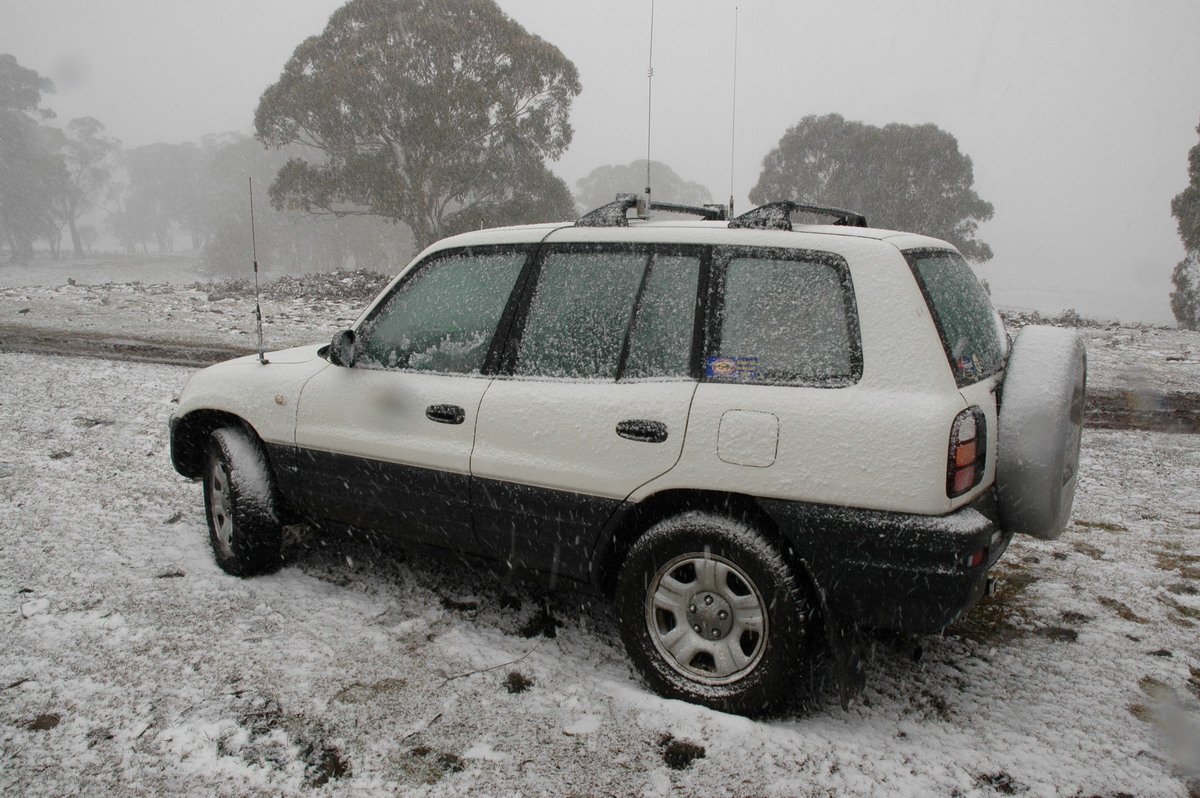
(446, 414)
(642, 430)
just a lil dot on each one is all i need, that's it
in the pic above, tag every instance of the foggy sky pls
(1077, 115)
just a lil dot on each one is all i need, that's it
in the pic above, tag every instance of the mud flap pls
(849, 648)
(850, 656)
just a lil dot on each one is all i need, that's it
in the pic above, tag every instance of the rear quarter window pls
(785, 317)
(970, 328)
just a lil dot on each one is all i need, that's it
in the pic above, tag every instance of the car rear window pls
(971, 331)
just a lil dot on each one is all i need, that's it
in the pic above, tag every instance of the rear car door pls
(385, 443)
(778, 412)
(595, 402)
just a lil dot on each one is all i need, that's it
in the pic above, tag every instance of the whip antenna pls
(733, 113)
(645, 210)
(257, 304)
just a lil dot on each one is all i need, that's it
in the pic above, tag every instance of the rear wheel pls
(711, 613)
(240, 505)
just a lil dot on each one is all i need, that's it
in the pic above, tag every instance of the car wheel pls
(710, 612)
(240, 505)
(1041, 425)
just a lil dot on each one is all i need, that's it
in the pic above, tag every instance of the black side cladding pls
(893, 571)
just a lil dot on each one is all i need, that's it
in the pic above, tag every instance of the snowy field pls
(131, 665)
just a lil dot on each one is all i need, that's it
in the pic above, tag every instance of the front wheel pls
(240, 505)
(711, 613)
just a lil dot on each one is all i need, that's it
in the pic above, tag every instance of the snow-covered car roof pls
(680, 231)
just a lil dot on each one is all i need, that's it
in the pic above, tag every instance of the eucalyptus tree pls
(603, 183)
(433, 113)
(903, 177)
(31, 172)
(165, 182)
(1185, 299)
(88, 159)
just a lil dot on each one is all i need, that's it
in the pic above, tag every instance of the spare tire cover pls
(1041, 421)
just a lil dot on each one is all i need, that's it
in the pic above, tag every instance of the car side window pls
(579, 314)
(660, 343)
(785, 320)
(443, 316)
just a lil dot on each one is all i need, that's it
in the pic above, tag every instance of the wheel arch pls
(626, 527)
(190, 433)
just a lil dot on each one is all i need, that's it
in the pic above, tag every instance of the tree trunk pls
(76, 242)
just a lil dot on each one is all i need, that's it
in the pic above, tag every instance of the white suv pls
(756, 435)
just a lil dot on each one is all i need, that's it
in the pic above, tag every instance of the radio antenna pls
(733, 114)
(262, 358)
(645, 210)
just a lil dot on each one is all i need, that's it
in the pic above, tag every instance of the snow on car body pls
(739, 428)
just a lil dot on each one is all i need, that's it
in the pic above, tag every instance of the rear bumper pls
(890, 570)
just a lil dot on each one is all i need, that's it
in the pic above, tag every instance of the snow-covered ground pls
(129, 664)
(156, 673)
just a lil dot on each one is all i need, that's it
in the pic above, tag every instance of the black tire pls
(240, 504)
(719, 575)
(1041, 424)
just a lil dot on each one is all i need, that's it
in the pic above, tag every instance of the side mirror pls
(342, 350)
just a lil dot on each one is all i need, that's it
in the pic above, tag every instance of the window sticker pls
(967, 366)
(735, 369)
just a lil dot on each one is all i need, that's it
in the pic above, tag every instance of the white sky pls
(1078, 115)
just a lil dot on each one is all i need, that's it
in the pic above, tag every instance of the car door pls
(780, 411)
(594, 404)
(385, 442)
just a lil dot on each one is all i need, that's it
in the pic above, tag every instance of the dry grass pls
(1002, 616)
(1101, 525)
(1122, 610)
(1186, 565)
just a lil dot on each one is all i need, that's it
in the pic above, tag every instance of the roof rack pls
(778, 216)
(614, 214)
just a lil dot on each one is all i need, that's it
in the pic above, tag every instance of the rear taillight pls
(968, 448)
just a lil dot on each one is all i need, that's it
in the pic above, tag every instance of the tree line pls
(146, 197)
(48, 176)
(405, 121)
(408, 120)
